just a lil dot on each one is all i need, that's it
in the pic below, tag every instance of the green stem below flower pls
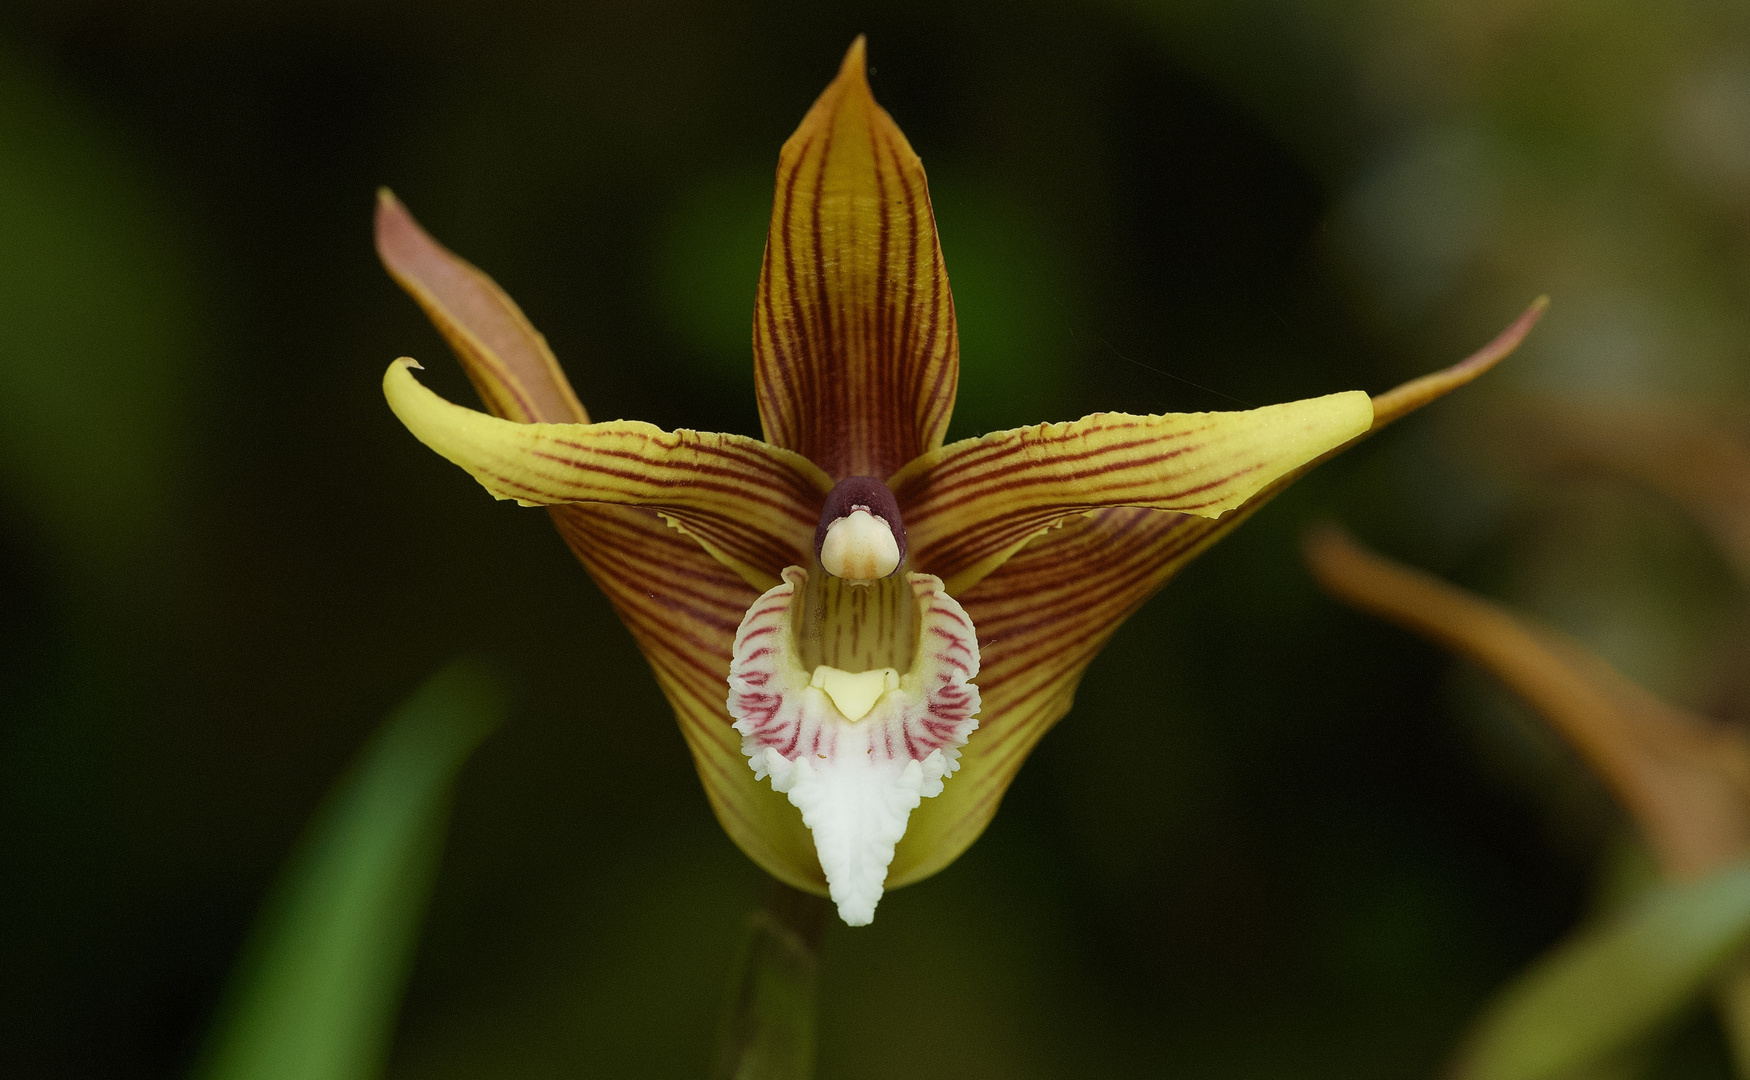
(1732, 998)
(769, 1031)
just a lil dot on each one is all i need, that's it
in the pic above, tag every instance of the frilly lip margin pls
(855, 782)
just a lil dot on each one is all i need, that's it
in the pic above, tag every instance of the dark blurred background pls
(1272, 838)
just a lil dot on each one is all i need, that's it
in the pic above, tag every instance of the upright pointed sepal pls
(856, 358)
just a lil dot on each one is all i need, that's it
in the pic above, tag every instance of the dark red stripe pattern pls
(1044, 615)
(508, 361)
(681, 605)
(775, 706)
(969, 506)
(856, 358)
(752, 505)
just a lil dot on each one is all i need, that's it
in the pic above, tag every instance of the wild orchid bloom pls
(849, 613)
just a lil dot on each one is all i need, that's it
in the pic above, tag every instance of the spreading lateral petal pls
(1046, 613)
(750, 504)
(970, 506)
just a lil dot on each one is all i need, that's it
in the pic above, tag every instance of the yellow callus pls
(854, 693)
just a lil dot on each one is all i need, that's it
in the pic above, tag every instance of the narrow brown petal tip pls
(1685, 781)
(1407, 398)
(505, 357)
(394, 229)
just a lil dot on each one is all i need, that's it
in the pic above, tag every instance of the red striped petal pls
(856, 358)
(1042, 618)
(751, 505)
(681, 605)
(505, 357)
(683, 608)
(969, 506)
(1044, 615)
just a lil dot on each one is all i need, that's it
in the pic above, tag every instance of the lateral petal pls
(856, 358)
(681, 605)
(1044, 615)
(751, 505)
(970, 506)
(683, 608)
(505, 357)
(1042, 618)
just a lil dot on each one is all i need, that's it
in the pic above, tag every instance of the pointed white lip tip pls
(857, 915)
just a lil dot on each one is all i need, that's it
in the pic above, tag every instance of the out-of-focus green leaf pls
(100, 351)
(1605, 988)
(315, 995)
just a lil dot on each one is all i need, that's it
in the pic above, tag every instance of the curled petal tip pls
(505, 357)
(1407, 398)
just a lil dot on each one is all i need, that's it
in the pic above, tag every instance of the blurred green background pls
(1272, 838)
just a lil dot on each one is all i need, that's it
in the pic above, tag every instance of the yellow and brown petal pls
(1046, 537)
(681, 605)
(752, 506)
(970, 506)
(856, 357)
(1046, 613)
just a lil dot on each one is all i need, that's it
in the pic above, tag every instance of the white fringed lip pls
(855, 781)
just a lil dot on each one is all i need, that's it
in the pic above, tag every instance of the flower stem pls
(769, 1032)
(1732, 997)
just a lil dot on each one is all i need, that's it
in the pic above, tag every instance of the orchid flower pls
(862, 631)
